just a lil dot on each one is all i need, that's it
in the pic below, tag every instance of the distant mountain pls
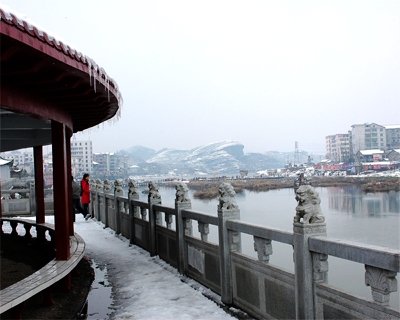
(221, 158)
(140, 154)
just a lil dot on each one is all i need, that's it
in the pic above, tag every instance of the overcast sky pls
(264, 73)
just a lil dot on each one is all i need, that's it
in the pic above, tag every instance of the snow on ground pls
(144, 287)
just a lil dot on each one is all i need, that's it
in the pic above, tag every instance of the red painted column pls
(61, 185)
(69, 176)
(39, 183)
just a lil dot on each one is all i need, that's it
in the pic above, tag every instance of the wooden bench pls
(42, 279)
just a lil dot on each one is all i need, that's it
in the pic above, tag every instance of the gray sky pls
(264, 73)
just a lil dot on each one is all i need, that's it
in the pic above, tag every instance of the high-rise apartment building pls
(81, 157)
(393, 136)
(338, 147)
(367, 136)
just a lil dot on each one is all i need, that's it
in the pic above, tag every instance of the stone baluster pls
(168, 220)
(382, 283)
(183, 226)
(158, 216)
(118, 192)
(126, 207)
(228, 240)
(28, 231)
(204, 230)
(154, 197)
(263, 247)
(143, 213)
(92, 203)
(133, 194)
(106, 190)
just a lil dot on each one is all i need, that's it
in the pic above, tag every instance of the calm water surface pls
(350, 214)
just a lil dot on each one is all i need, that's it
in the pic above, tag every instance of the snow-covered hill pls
(221, 158)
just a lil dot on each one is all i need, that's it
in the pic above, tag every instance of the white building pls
(338, 147)
(367, 136)
(81, 157)
(393, 136)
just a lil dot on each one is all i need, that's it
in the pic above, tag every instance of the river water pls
(350, 214)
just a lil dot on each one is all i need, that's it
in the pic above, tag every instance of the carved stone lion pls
(308, 207)
(227, 197)
(118, 186)
(153, 191)
(99, 184)
(182, 192)
(133, 187)
(107, 186)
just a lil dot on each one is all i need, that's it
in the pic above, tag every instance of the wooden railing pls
(14, 296)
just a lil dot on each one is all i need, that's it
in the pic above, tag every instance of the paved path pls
(144, 287)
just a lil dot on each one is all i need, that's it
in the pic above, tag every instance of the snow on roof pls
(371, 152)
(22, 22)
(382, 163)
(393, 126)
(4, 162)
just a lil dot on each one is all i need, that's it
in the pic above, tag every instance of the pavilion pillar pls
(71, 215)
(61, 185)
(39, 183)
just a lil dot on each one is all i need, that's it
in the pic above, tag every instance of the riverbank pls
(209, 189)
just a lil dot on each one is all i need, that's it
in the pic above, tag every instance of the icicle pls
(108, 88)
(94, 79)
(90, 70)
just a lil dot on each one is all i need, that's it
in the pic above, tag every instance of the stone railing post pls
(133, 194)
(95, 199)
(106, 190)
(308, 222)
(153, 198)
(91, 203)
(32, 197)
(118, 192)
(182, 202)
(228, 240)
(99, 189)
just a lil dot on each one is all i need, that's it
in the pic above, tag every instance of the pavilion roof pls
(42, 76)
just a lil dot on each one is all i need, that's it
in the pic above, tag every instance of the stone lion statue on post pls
(133, 188)
(153, 191)
(308, 207)
(227, 199)
(182, 192)
(118, 186)
(107, 186)
(99, 184)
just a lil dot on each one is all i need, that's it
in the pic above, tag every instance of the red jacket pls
(86, 192)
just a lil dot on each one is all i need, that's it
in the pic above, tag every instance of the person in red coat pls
(85, 195)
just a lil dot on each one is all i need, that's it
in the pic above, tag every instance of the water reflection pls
(354, 200)
(350, 214)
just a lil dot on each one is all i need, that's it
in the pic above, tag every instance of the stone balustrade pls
(254, 285)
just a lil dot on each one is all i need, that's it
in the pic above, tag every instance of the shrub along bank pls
(209, 189)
